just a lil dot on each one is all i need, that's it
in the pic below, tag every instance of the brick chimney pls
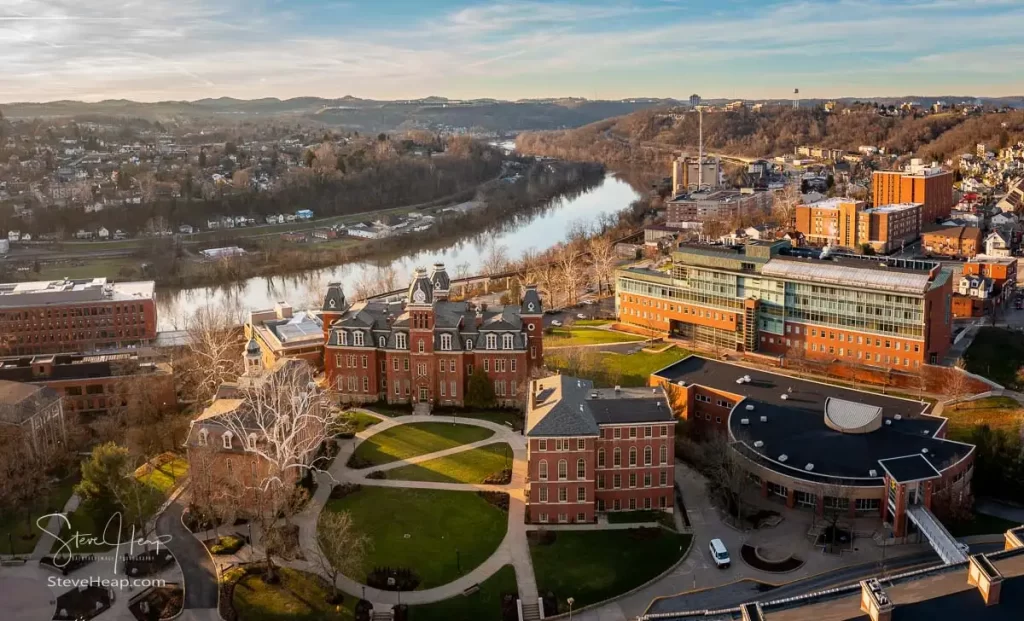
(982, 574)
(874, 600)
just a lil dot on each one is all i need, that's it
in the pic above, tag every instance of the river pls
(539, 233)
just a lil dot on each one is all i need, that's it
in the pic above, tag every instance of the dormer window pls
(203, 436)
(446, 342)
(383, 342)
(226, 439)
(492, 341)
(357, 339)
(469, 344)
(400, 341)
(251, 441)
(506, 341)
(343, 337)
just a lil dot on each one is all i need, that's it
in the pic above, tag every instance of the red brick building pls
(591, 451)
(75, 315)
(425, 348)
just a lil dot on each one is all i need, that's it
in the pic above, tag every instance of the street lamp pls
(571, 601)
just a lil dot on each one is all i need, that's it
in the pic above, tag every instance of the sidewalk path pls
(198, 571)
(53, 525)
(514, 548)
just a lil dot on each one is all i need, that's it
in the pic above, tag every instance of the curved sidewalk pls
(513, 549)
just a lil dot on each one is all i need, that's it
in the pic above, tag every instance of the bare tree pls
(577, 361)
(728, 481)
(461, 270)
(957, 385)
(213, 353)
(602, 262)
(784, 204)
(342, 549)
(570, 274)
(835, 505)
(495, 259)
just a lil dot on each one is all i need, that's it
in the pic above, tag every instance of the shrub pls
(400, 612)
(341, 490)
(509, 610)
(358, 463)
(499, 478)
(377, 474)
(228, 544)
(392, 579)
(196, 520)
(498, 499)
(363, 611)
(550, 604)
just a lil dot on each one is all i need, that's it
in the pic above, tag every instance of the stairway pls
(531, 612)
(386, 615)
(421, 408)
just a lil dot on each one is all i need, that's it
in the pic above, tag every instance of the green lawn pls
(484, 604)
(591, 323)
(414, 439)
(471, 466)
(298, 596)
(438, 523)
(607, 369)
(982, 525)
(21, 525)
(1001, 413)
(355, 420)
(563, 337)
(996, 353)
(591, 566)
(641, 516)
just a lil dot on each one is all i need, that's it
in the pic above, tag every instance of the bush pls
(342, 490)
(196, 520)
(392, 579)
(345, 435)
(400, 612)
(377, 474)
(498, 499)
(499, 478)
(363, 611)
(550, 604)
(509, 610)
(358, 463)
(228, 544)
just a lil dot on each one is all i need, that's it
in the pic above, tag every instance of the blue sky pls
(188, 49)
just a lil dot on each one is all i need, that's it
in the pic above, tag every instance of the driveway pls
(199, 573)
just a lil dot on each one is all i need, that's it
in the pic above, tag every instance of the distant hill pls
(649, 136)
(355, 113)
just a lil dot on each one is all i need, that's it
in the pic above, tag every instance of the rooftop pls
(832, 203)
(786, 415)
(69, 291)
(854, 273)
(19, 402)
(711, 196)
(953, 232)
(568, 406)
(894, 207)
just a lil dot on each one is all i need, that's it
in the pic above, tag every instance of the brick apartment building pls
(591, 451)
(75, 315)
(953, 241)
(851, 224)
(930, 186)
(91, 384)
(424, 348)
(760, 297)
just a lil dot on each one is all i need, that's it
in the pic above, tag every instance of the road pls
(198, 571)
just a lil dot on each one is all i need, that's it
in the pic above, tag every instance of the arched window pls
(400, 340)
(663, 455)
(648, 456)
(617, 457)
(492, 341)
(357, 339)
(563, 470)
(632, 456)
(419, 346)
(542, 470)
(581, 469)
(251, 441)
(382, 342)
(600, 458)
(226, 439)
(469, 343)
(203, 434)
(506, 341)
(446, 342)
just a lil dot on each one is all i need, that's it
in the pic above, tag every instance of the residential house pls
(185, 229)
(997, 244)
(103, 233)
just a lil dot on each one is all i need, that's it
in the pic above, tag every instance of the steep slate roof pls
(567, 406)
(20, 402)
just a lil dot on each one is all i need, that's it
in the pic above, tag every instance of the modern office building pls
(715, 205)
(823, 447)
(851, 224)
(75, 315)
(931, 186)
(876, 311)
(590, 451)
(425, 348)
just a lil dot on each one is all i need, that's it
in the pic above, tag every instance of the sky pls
(150, 50)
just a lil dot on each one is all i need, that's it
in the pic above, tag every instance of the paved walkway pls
(513, 549)
(53, 525)
(198, 571)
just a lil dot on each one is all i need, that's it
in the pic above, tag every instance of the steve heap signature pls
(78, 539)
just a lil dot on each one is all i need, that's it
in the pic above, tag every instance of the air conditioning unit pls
(898, 417)
(744, 421)
(764, 419)
(888, 422)
(872, 473)
(783, 458)
(785, 396)
(758, 444)
(809, 467)
(924, 451)
(750, 407)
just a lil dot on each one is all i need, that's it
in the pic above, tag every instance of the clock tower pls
(420, 306)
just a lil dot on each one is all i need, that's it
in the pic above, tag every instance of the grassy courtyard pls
(608, 369)
(354, 421)
(484, 604)
(414, 439)
(1001, 413)
(21, 524)
(591, 566)
(439, 534)
(996, 353)
(472, 466)
(570, 337)
(297, 596)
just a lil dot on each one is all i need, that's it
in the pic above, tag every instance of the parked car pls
(581, 316)
(556, 323)
(719, 553)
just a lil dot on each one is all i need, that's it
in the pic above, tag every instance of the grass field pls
(591, 566)
(92, 268)
(297, 596)
(996, 353)
(607, 369)
(997, 412)
(484, 604)
(356, 420)
(21, 524)
(471, 466)
(439, 534)
(415, 439)
(563, 337)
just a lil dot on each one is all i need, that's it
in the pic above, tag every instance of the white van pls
(719, 553)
